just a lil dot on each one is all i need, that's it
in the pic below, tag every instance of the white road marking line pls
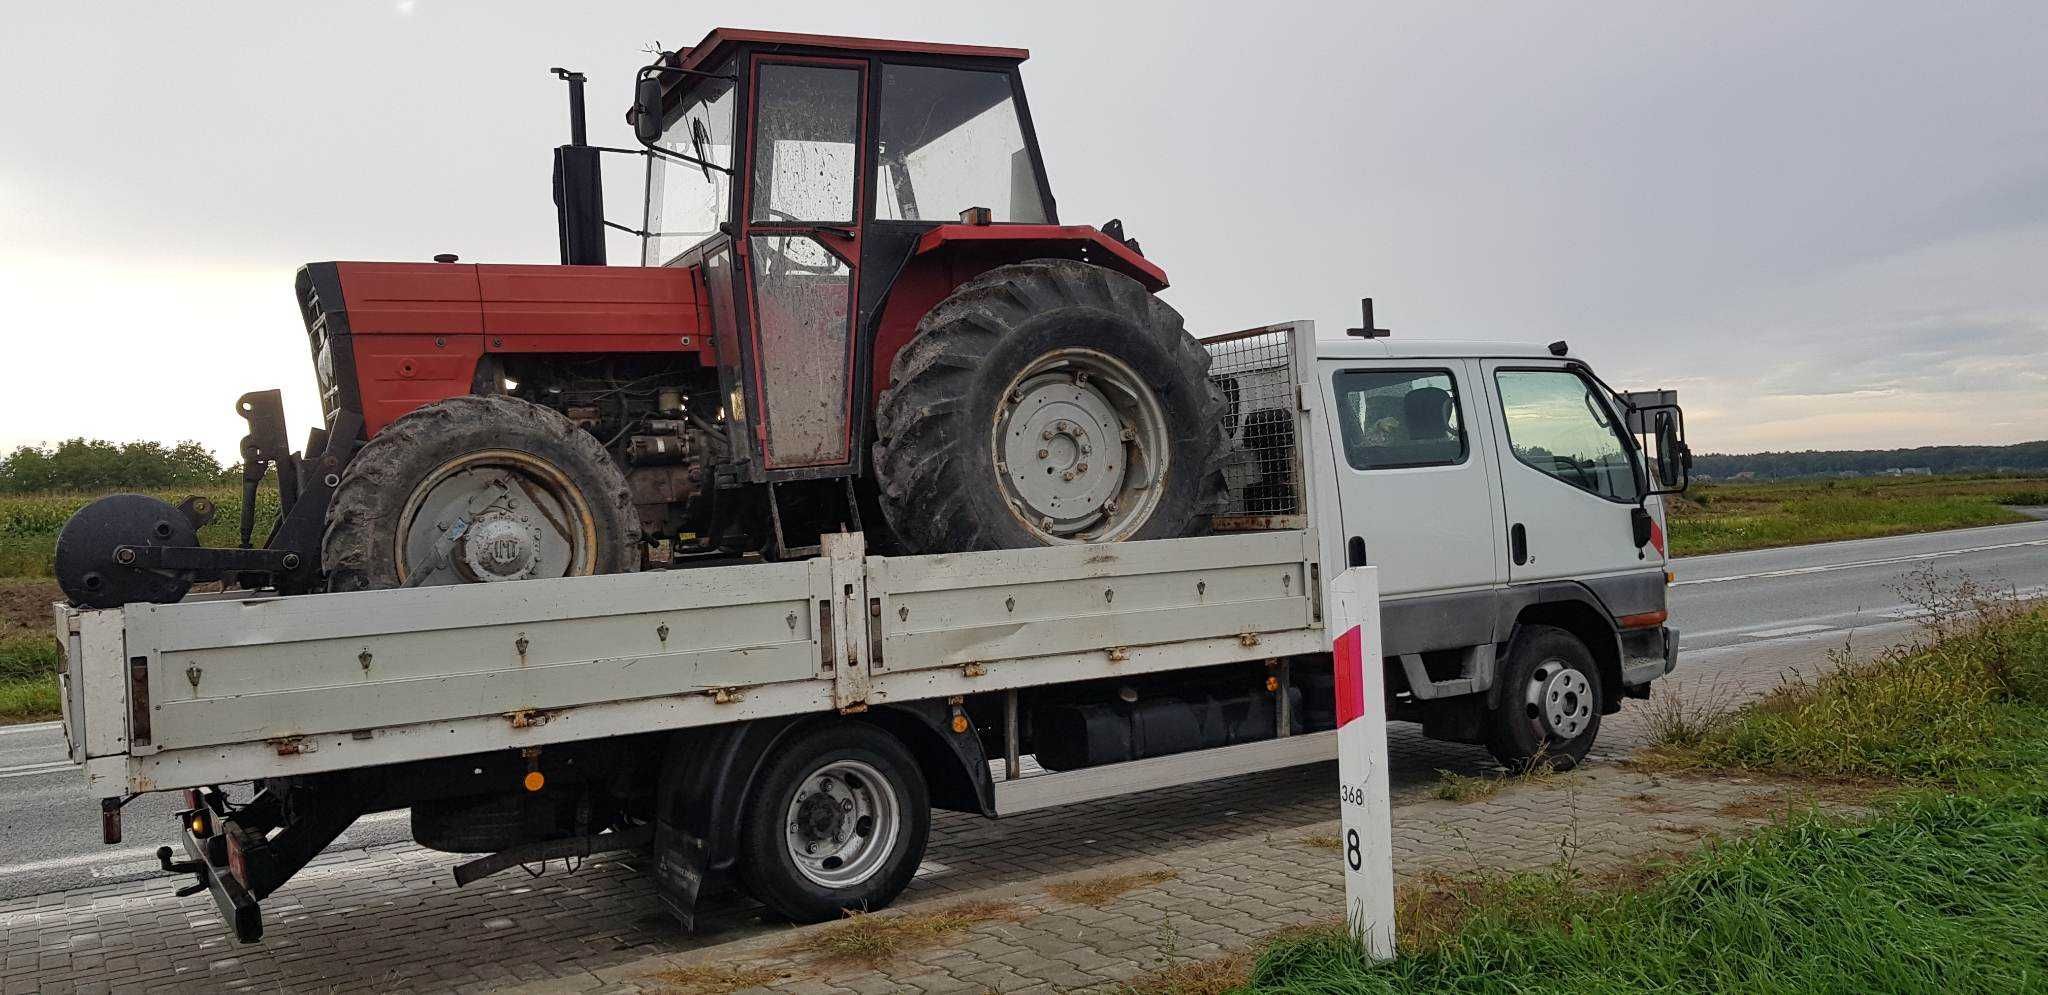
(30, 770)
(1790, 630)
(130, 854)
(31, 727)
(1887, 561)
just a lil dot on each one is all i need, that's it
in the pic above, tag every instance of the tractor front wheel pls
(1045, 403)
(478, 489)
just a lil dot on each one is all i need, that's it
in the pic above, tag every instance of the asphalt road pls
(1729, 608)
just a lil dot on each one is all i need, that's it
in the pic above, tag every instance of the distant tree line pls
(2026, 457)
(98, 465)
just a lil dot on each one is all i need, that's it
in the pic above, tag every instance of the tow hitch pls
(207, 834)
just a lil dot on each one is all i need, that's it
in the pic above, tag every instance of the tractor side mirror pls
(647, 109)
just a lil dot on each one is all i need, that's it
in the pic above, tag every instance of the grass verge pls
(1966, 709)
(1719, 518)
(1937, 893)
(1943, 887)
(28, 678)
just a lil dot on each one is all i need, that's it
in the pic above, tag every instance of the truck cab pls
(1516, 520)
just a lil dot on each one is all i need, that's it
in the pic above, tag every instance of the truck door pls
(1414, 491)
(1568, 475)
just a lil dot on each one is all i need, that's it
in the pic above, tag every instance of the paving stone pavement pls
(390, 919)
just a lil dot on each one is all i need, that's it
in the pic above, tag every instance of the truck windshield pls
(685, 201)
(951, 139)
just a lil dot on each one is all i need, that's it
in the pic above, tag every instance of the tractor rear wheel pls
(478, 489)
(1044, 403)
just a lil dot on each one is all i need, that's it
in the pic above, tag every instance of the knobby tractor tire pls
(936, 454)
(1521, 736)
(360, 548)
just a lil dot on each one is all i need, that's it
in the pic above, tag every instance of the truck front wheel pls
(836, 823)
(1550, 701)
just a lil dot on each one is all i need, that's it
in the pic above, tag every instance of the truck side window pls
(1399, 418)
(1558, 424)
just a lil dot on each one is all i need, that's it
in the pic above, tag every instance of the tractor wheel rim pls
(1080, 444)
(842, 824)
(495, 515)
(1560, 699)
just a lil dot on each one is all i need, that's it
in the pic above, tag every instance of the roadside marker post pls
(1368, 849)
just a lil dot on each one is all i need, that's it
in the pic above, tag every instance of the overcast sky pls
(1826, 224)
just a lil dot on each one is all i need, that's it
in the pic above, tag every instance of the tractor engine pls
(660, 421)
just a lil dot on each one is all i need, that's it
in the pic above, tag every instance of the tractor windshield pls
(686, 201)
(951, 139)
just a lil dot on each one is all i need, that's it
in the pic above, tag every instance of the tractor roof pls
(722, 40)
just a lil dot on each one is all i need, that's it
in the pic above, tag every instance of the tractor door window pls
(806, 136)
(685, 201)
(951, 140)
(1558, 424)
(1399, 418)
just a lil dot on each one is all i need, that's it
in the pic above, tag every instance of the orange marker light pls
(959, 723)
(1272, 683)
(534, 780)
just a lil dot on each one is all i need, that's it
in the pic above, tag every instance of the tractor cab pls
(799, 174)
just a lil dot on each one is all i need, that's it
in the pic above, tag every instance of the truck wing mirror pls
(647, 109)
(1671, 457)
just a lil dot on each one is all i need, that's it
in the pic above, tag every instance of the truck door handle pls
(1518, 544)
(1357, 551)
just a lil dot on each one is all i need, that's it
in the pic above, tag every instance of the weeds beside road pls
(1726, 517)
(1944, 887)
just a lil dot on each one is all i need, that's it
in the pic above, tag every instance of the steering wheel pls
(1583, 473)
(779, 263)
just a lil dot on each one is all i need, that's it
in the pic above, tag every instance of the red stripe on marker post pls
(1350, 663)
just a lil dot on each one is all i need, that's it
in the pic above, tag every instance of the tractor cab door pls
(798, 243)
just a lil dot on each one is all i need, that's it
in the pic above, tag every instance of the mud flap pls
(679, 865)
(704, 778)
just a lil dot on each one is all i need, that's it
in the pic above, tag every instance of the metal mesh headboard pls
(1255, 371)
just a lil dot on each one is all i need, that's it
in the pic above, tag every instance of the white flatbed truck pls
(786, 727)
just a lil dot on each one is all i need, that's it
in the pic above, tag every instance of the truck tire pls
(836, 823)
(1049, 402)
(536, 497)
(1550, 701)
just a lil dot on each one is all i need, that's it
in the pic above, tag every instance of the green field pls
(1943, 888)
(29, 523)
(28, 540)
(1723, 517)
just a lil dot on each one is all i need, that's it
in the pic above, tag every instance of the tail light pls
(238, 862)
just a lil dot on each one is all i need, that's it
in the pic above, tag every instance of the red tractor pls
(855, 300)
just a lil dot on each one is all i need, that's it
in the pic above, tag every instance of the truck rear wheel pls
(478, 489)
(836, 823)
(1049, 402)
(1550, 702)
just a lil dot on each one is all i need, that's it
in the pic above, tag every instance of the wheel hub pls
(1562, 698)
(1078, 440)
(500, 546)
(491, 516)
(842, 824)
